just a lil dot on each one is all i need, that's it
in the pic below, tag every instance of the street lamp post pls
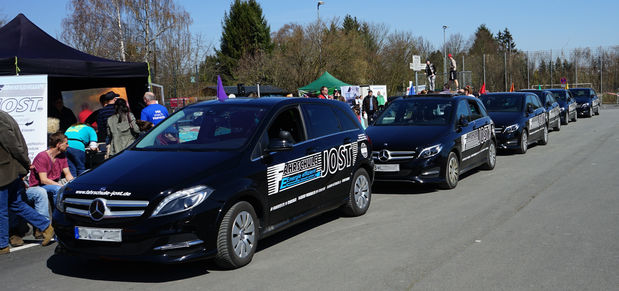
(318, 9)
(444, 54)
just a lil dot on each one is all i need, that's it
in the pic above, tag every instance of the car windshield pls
(416, 112)
(204, 127)
(580, 93)
(559, 95)
(502, 103)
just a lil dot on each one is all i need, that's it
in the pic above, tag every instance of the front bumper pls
(583, 110)
(180, 237)
(508, 141)
(422, 171)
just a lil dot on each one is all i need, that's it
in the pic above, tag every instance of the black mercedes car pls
(432, 139)
(519, 118)
(214, 178)
(567, 103)
(587, 100)
(553, 109)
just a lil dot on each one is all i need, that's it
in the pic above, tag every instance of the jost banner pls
(25, 99)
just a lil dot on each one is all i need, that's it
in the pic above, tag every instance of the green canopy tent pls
(325, 80)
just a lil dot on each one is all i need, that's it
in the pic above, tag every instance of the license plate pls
(98, 234)
(387, 167)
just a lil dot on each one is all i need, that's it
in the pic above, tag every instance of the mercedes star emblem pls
(97, 209)
(384, 155)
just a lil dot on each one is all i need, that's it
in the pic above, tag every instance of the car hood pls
(581, 100)
(405, 138)
(502, 119)
(144, 174)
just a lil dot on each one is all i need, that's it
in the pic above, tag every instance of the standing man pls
(14, 165)
(153, 112)
(381, 101)
(107, 101)
(431, 74)
(64, 114)
(453, 76)
(370, 105)
(324, 93)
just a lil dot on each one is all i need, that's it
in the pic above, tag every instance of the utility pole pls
(444, 55)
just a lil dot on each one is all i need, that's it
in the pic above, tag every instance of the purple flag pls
(221, 93)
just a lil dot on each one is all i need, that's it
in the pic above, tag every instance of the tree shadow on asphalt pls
(407, 188)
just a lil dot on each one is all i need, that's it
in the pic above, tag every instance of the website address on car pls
(104, 193)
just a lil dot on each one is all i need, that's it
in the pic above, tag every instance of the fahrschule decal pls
(284, 176)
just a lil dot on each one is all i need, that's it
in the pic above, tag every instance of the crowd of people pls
(28, 191)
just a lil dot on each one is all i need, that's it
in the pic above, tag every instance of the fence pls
(597, 68)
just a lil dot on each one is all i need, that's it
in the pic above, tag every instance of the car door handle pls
(311, 151)
(347, 140)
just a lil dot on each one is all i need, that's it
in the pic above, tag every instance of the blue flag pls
(412, 90)
(221, 93)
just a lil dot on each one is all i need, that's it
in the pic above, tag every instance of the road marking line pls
(26, 246)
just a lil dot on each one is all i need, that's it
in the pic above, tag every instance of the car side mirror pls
(530, 108)
(282, 143)
(462, 122)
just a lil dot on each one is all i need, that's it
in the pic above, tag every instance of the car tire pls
(575, 116)
(558, 126)
(524, 142)
(566, 119)
(490, 158)
(452, 171)
(360, 194)
(237, 238)
(544, 139)
(590, 113)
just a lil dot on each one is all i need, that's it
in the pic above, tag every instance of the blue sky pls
(535, 25)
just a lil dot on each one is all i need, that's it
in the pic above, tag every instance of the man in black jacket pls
(370, 105)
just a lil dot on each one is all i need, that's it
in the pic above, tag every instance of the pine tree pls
(245, 31)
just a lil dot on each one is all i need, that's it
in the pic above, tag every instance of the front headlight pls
(182, 200)
(584, 105)
(430, 151)
(511, 128)
(60, 198)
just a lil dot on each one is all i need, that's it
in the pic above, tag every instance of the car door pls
(536, 117)
(482, 130)
(290, 173)
(336, 148)
(464, 136)
(552, 108)
(595, 100)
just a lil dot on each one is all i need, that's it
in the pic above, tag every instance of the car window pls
(502, 103)
(475, 112)
(288, 120)
(321, 120)
(550, 98)
(536, 102)
(463, 111)
(481, 107)
(346, 120)
(416, 112)
(209, 126)
(530, 102)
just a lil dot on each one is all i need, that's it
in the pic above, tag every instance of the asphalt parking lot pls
(543, 220)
